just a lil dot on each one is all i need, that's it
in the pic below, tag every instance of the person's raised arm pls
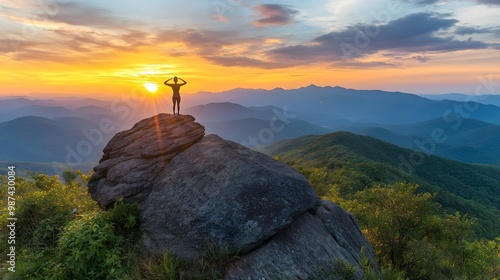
(166, 82)
(183, 81)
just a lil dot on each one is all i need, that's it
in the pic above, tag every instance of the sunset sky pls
(104, 48)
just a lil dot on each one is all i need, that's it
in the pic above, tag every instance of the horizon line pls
(43, 95)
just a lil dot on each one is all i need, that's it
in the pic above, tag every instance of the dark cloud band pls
(275, 15)
(415, 33)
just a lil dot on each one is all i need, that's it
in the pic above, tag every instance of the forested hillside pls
(426, 217)
(346, 163)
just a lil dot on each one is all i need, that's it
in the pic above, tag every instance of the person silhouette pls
(176, 90)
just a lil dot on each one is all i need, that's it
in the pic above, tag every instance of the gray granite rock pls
(220, 193)
(132, 159)
(197, 191)
(324, 243)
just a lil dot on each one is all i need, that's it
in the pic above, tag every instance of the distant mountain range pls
(252, 126)
(470, 131)
(40, 139)
(333, 107)
(226, 111)
(12, 108)
(473, 141)
(488, 99)
(36, 130)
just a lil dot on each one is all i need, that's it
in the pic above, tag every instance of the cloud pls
(204, 42)
(275, 15)
(75, 45)
(422, 59)
(225, 48)
(44, 54)
(91, 41)
(12, 45)
(229, 61)
(94, 32)
(410, 34)
(35, 50)
(396, 32)
(489, 2)
(468, 30)
(423, 2)
(245, 61)
(413, 36)
(74, 13)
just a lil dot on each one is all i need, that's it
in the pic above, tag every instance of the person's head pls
(175, 79)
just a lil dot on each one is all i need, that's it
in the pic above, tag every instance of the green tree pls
(69, 176)
(392, 217)
(408, 234)
(485, 263)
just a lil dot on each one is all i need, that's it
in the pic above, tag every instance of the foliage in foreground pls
(411, 234)
(64, 235)
(349, 163)
(408, 234)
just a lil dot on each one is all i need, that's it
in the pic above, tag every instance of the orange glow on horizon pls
(122, 73)
(56, 50)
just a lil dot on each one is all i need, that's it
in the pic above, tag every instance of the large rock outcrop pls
(196, 191)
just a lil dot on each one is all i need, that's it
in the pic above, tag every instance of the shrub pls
(62, 234)
(96, 245)
(169, 266)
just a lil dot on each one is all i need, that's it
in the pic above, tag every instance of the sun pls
(151, 87)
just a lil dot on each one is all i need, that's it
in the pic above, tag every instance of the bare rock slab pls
(324, 243)
(197, 191)
(220, 193)
(133, 159)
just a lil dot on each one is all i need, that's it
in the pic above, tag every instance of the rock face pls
(323, 243)
(196, 191)
(134, 158)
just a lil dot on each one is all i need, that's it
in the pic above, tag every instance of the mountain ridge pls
(307, 110)
(474, 189)
(327, 105)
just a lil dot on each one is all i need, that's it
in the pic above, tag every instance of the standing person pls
(176, 90)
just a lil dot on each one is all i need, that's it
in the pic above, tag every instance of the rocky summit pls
(196, 191)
